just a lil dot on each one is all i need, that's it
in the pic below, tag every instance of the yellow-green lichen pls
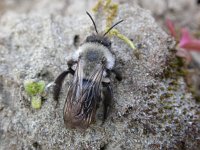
(115, 32)
(110, 10)
(97, 6)
(36, 102)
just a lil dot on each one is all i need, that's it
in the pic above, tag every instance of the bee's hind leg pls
(118, 75)
(58, 83)
(107, 99)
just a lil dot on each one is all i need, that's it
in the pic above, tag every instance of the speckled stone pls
(145, 114)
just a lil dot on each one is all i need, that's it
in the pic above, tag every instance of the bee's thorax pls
(92, 54)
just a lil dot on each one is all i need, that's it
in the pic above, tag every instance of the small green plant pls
(35, 90)
(36, 102)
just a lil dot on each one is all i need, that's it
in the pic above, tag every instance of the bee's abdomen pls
(81, 114)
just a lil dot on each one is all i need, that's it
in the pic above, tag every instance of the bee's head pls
(101, 39)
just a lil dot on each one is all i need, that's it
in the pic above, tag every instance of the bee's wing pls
(82, 97)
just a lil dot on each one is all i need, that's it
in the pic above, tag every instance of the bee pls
(94, 62)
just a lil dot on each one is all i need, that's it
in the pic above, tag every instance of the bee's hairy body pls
(91, 66)
(92, 53)
(89, 57)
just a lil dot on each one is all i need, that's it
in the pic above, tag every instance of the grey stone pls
(37, 44)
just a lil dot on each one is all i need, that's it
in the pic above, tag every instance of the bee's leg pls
(118, 75)
(107, 98)
(58, 82)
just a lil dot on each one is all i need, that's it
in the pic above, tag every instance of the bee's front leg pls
(107, 98)
(58, 82)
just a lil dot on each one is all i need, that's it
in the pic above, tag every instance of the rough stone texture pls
(146, 114)
(185, 14)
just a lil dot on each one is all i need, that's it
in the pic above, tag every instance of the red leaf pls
(171, 27)
(187, 42)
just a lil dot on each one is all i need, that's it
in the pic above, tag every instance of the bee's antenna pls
(112, 27)
(92, 22)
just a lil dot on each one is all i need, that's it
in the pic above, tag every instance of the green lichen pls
(35, 90)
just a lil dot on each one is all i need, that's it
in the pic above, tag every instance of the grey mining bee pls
(94, 62)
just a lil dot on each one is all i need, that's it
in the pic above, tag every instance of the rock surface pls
(35, 44)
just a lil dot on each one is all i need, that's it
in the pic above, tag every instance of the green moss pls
(194, 93)
(182, 97)
(33, 88)
(175, 68)
(160, 110)
(165, 96)
(152, 96)
(197, 34)
(183, 72)
(167, 107)
(174, 83)
(185, 111)
(162, 88)
(165, 118)
(170, 88)
(197, 98)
